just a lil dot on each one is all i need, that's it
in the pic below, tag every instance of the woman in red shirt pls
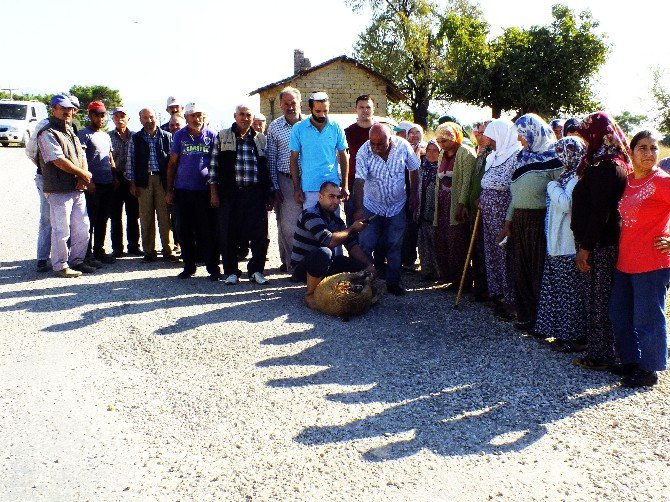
(642, 275)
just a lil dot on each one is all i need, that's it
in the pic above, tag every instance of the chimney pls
(300, 62)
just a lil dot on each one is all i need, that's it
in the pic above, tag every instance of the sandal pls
(591, 364)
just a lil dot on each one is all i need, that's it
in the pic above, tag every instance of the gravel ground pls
(132, 385)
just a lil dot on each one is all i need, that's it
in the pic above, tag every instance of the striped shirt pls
(314, 230)
(384, 191)
(277, 151)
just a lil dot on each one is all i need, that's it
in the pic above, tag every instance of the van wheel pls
(5, 144)
(25, 139)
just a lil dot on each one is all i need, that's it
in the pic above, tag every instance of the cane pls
(467, 260)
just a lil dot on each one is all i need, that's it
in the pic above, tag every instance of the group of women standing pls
(575, 240)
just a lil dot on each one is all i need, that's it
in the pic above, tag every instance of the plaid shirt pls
(246, 164)
(277, 151)
(120, 148)
(153, 161)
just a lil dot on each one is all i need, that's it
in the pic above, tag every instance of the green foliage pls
(44, 98)
(86, 94)
(406, 43)
(544, 69)
(628, 122)
(662, 97)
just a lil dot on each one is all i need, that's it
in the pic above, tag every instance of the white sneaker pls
(258, 278)
(231, 280)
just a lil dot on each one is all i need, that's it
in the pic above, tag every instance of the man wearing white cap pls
(259, 123)
(321, 146)
(65, 174)
(172, 106)
(187, 189)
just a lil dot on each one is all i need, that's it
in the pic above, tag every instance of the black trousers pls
(246, 220)
(322, 263)
(199, 229)
(120, 199)
(99, 207)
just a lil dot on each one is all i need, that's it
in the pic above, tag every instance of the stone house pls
(343, 78)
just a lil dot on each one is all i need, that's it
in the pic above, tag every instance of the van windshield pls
(12, 111)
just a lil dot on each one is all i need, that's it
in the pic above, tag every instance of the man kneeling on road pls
(317, 242)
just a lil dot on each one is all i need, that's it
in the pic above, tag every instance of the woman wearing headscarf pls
(410, 238)
(426, 211)
(493, 202)
(595, 224)
(561, 312)
(524, 223)
(456, 164)
(642, 275)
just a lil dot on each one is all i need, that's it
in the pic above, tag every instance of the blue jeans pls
(390, 230)
(637, 311)
(44, 228)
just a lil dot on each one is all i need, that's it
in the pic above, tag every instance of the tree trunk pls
(496, 111)
(420, 108)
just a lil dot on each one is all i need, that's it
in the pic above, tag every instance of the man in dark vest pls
(146, 170)
(65, 175)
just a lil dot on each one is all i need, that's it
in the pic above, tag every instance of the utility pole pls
(10, 89)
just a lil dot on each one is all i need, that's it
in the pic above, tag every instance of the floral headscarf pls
(429, 169)
(451, 129)
(540, 138)
(606, 141)
(570, 151)
(503, 132)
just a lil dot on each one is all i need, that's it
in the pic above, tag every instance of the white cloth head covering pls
(503, 132)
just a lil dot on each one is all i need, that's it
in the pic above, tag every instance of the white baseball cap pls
(193, 108)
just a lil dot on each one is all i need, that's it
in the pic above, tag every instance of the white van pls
(18, 120)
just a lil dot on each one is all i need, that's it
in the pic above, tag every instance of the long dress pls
(451, 241)
(426, 239)
(494, 201)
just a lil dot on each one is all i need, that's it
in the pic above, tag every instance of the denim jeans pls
(390, 230)
(637, 311)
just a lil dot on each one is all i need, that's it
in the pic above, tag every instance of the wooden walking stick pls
(467, 259)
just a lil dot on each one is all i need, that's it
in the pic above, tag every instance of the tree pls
(627, 121)
(662, 97)
(405, 42)
(86, 94)
(546, 70)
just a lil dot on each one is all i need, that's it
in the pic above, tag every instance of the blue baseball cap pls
(63, 100)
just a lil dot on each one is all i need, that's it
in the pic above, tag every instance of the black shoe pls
(171, 258)
(282, 268)
(215, 277)
(640, 378)
(185, 274)
(153, 256)
(523, 326)
(623, 369)
(117, 254)
(43, 266)
(105, 258)
(396, 289)
(135, 252)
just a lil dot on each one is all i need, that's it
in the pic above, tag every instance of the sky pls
(216, 52)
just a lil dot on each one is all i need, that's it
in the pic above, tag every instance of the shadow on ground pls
(452, 382)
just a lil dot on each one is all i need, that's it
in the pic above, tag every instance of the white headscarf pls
(504, 133)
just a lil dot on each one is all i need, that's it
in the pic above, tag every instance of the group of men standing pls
(220, 187)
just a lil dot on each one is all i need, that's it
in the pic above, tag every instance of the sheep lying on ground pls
(347, 294)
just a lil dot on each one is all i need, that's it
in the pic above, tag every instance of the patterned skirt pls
(451, 241)
(427, 249)
(561, 311)
(494, 205)
(598, 287)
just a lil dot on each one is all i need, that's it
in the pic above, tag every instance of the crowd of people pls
(561, 227)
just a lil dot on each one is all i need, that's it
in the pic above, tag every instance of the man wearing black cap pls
(98, 147)
(65, 175)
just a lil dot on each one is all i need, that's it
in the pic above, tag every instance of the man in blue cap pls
(65, 176)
